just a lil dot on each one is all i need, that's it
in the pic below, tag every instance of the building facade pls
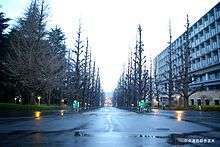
(204, 37)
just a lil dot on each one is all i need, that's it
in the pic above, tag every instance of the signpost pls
(144, 105)
(76, 105)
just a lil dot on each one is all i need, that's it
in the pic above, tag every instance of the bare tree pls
(77, 60)
(150, 91)
(184, 77)
(85, 74)
(156, 83)
(133, 84)
(140, 63)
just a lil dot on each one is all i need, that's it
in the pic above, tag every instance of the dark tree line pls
(35, 62)
(6, 85)
(83, 78)
(134, 83)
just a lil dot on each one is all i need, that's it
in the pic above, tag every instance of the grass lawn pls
(19, 107)
(196, 108)
(206, 108)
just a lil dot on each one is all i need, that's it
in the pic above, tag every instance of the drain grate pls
(163, 129)
(80, 134)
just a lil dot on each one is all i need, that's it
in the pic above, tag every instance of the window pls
(206, 30)
(192, 101)
(216, 102)
(212, 26)
(201, 34)
(207, 102)
(205, 18)
(200, 22)
(199, 102)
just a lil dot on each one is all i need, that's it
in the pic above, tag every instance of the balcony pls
(200, 27)
(215, 59)
(207, 36)
(203, 63)
(203, 51)
(198, 53)
(198, 65)
(214, 45)
(202, 39)
(193, 67)
(211, 19)
(195, 30)
(212, 32)
(217, 14)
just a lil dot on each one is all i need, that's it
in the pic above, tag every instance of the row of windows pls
(205, 38)
(206, 20)
(206, 102)
(207, 77)
(204, 43)
(194, 32)
(204, 48)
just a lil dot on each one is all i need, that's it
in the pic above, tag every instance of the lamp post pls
(39, 97)
(20, 100)
(85, 105)
(177, 99)
(15, 99)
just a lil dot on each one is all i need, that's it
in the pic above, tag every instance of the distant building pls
(205, 59)
(108, 102)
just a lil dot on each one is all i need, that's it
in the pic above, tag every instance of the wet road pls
(112, 127)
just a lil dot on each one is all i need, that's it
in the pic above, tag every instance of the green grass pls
(19, 107)
(206, 108)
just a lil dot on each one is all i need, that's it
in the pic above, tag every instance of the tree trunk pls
(49, 97)
(32, 99)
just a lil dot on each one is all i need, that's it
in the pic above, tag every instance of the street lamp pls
(39, 97)
(16, 99)
(177, 99)
(85, 105)
(19, 100)
(62, 100)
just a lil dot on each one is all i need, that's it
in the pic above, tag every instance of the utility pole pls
(170, 77)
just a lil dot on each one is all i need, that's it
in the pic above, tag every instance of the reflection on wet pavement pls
(107, 127)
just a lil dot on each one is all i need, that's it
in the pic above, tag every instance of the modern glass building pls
(204, 59)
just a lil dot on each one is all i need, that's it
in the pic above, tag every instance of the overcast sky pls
(111, 25)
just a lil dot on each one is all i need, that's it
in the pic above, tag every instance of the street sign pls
(144, 105)
(75, 104)
(141, 103)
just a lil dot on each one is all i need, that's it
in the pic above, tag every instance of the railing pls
(215, 59)
(211, 19)
(218, 28)
(212, 32)
(217, 14)
(198, 53)
(207, 36)
(202, 39)
(214, 46)
(204, 63)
